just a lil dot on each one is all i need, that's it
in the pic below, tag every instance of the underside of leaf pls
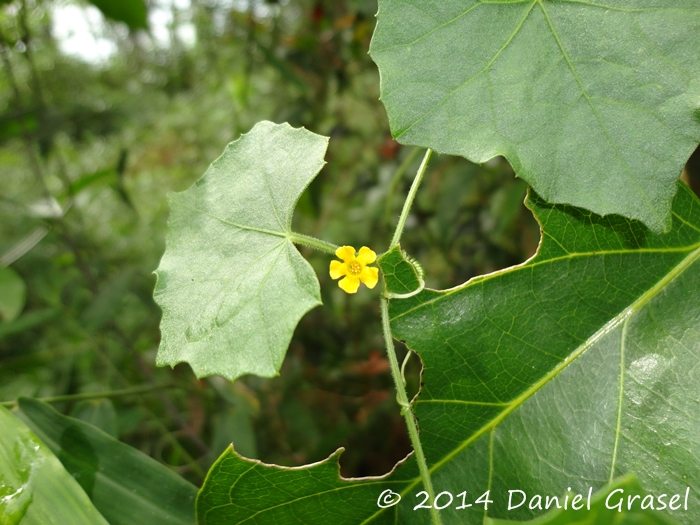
(594, 104)
(231, 284)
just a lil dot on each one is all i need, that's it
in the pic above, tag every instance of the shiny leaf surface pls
(35, 489)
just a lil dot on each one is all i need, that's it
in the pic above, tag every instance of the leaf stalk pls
(409, 199)
(312, 242)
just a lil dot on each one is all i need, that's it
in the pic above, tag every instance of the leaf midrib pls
(510, 38)
(620, 397)
(284, 233)
(534, 262)
(599, 119)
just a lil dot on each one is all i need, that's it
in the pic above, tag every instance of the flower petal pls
(346, 253)
(338, 269)
(349, 283)
(366, 256)
(370, 276)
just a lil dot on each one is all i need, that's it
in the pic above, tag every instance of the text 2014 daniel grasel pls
(616, 500)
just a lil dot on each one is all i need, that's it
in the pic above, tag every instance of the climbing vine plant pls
(561, 390)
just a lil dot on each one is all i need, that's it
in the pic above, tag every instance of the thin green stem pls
(396, 370)
(97, 395)
(409, 200)
(398, 174)
(312, 242)
(406, 410)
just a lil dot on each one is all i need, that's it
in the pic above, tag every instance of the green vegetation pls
(574, 370)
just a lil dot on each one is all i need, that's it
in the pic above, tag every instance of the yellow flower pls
(355, 268)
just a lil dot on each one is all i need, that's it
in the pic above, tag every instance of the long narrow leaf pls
(127, 486)
(35, 489)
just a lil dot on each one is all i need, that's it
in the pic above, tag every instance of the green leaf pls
(241, 490)
(594, 104)
(124, 484)
(13, 293)
(133, 13)
(99, 413)
(565, 372)
(231, 284)
(35, 489)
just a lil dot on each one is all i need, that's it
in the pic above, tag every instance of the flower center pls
(354, 268)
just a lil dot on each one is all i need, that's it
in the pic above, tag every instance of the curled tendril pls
(403, 367)
(392, 295)
(405, 407)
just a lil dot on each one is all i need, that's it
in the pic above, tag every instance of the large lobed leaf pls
(35, 489)
(231, 284)
(595, 104)
(124, 484)
(562, 373)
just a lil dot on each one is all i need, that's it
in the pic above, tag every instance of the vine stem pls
(406, 410)
(409, 199)
(396, 370)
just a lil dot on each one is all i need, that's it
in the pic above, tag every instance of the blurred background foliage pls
(104, 108)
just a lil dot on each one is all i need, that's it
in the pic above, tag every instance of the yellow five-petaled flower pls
(354, 268)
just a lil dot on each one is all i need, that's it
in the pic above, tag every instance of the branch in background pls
(137, 390)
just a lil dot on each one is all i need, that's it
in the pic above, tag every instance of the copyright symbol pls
(388, 498)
